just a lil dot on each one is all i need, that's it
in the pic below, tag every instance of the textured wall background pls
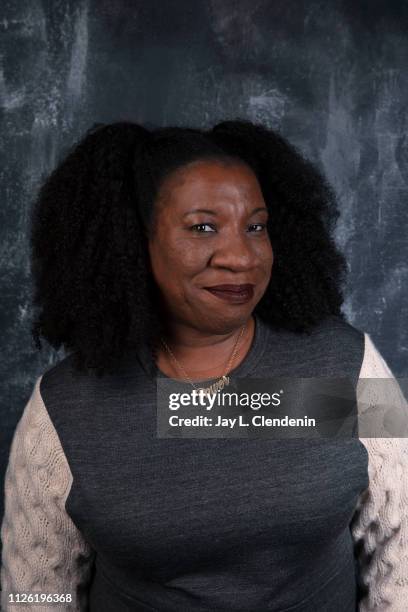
(332, 76)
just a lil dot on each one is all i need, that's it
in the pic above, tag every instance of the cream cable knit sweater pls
(43, 551)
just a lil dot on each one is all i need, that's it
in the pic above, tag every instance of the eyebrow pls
(213, 212)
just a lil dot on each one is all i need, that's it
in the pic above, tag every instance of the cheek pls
(186, 255)
(266, 264)
(174, 265)
(265, 255)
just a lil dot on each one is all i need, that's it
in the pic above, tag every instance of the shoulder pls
(337, 327)
(332, 329)
(64, 388)
(333, 335)
(62, 372)
(331, 347)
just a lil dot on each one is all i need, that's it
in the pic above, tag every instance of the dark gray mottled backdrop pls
(332, 76)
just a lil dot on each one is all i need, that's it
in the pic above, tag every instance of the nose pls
(233, 252)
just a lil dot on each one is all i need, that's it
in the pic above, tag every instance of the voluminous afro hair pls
(93, 285)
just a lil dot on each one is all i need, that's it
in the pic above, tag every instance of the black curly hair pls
(90, 223)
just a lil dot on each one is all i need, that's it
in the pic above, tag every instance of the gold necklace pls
(221, 382)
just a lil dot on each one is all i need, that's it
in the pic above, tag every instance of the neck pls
(185, 337)
(204, 354)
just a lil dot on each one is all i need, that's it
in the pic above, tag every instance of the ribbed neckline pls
(247, 365)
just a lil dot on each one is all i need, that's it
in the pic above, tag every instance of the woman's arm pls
(43, 551)
(380, 523)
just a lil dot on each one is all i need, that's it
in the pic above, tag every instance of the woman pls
(192, 255)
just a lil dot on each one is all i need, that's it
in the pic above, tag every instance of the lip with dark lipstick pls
(234, 294)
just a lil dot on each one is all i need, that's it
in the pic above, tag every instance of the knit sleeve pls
(43, 552)
(380, 523)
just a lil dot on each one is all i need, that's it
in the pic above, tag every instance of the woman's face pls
(210, 230)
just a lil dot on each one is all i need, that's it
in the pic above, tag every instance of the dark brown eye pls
(261, 225)
(199, 225)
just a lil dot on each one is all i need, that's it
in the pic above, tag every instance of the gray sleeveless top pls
(212, 524)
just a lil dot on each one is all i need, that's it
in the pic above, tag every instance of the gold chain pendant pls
(222, 382)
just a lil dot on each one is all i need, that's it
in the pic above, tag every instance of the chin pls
(223, 322)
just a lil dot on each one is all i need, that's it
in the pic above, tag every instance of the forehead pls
(204, 177)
